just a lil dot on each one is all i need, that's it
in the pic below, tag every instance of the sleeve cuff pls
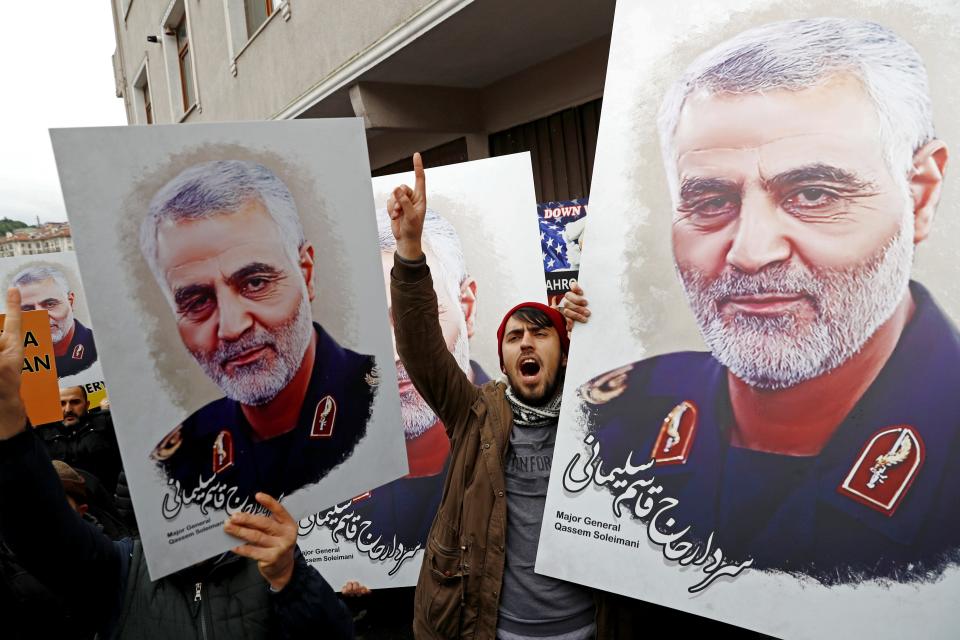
(409, 271)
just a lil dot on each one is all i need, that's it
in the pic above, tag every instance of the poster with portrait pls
(234, 268)
(562, 226)
(51, 281)
(760, 420)
(480, 239)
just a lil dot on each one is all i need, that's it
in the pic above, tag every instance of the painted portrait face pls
(48, 294)
(791, 235)
(417, 415)
(242, 304)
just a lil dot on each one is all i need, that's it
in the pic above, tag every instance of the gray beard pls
(58, 332)
(782, 351)
(417, 415)
(258, 383)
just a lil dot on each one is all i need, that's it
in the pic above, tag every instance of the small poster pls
(480, 243)
(51, 281)
(562, 226)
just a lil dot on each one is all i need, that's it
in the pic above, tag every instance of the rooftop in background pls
(46, 238)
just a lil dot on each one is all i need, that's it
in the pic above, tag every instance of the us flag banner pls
(561, 241)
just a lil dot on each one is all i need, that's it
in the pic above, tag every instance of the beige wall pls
(560, 83)
(270, 75)
(284, 59)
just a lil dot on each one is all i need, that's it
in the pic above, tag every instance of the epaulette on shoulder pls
(605, 387)
(372, 377)
(169, 445)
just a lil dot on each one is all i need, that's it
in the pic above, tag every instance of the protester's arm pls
(303, 603)
(49, 539)
(416, 321)
(308, 606)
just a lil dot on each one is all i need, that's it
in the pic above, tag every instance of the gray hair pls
(31, 275)
(800, 54)
(442, 239)
(220, 187)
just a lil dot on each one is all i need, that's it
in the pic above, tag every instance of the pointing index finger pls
(421, 178)
(12, 322)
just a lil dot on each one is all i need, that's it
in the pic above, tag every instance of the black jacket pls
(90, 445)
(105, 580)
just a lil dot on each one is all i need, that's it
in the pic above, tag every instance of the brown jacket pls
(458, 592)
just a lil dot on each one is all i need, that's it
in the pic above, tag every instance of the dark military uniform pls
(81, 353)
(405, 508)
(218, 441)
(882, 499)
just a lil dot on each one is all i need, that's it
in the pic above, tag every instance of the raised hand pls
(13, 415)
(407, 208)
(269, 540)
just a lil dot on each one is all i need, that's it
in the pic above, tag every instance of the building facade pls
(48, 238)
(455, 79)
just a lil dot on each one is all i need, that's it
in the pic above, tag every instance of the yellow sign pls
(38, 387)
(96, 393)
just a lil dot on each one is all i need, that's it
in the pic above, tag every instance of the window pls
(147, 104)
(143, 106)
(257, 12)
(187, 90)
(562, 148)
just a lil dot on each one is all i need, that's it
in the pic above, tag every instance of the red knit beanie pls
(556, 319)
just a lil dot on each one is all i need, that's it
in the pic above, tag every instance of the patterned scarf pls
(525, 415)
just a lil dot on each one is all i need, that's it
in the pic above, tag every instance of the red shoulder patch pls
(323, 418)
(222, 451)
(885, 469)
(676, 435)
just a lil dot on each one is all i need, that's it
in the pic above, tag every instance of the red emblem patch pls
(78, 352)
(676, 435)
(323, 418)
(886, 468)
(222, 451)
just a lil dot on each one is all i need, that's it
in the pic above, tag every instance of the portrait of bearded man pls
(818, 435)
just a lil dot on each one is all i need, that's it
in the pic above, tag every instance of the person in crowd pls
(477, 577)
(84, 439)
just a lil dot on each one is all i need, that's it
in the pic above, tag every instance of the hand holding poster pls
(38, 383)
(246, 315)
(771, 435)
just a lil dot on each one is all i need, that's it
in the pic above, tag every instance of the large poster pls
(760, 420)
(51, 282)
(480, 240)
(234, 269)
